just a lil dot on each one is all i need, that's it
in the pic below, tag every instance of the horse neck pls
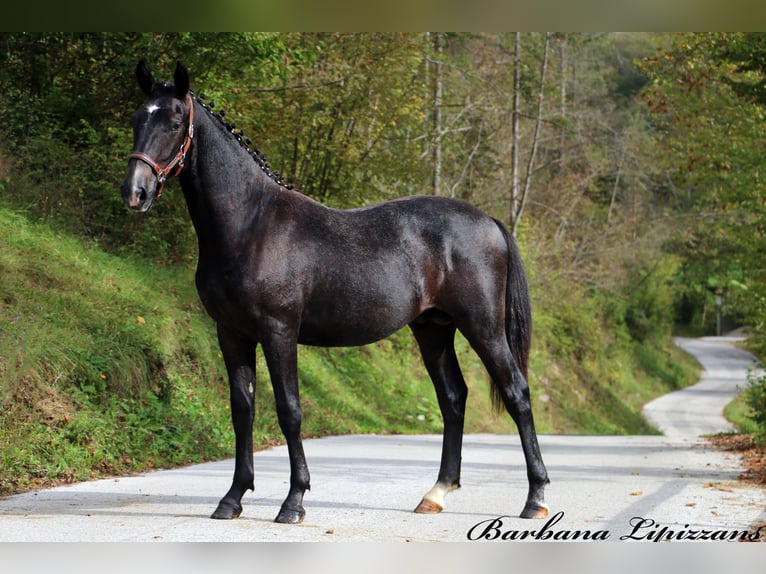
(225, 189)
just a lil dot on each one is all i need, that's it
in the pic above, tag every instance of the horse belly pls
(341, 337)
(347, 320)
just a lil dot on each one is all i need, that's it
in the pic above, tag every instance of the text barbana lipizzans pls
(646, 529)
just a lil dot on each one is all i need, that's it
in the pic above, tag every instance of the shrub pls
(755, 398)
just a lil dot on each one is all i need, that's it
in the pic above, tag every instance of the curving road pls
(698, 410)
(364, 487)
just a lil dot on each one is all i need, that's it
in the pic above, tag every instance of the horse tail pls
(518, 313)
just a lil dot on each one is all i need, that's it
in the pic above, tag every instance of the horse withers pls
(279, 269)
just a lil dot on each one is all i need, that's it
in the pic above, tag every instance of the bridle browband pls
(177, 162)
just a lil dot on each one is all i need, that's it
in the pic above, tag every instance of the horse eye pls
(175, 126)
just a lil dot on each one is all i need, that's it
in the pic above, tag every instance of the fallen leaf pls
(636, 493)
(141, 320)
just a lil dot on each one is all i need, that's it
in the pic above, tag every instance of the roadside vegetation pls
(626, 164)
(109, 365)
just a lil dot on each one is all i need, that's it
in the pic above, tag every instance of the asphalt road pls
(365, 487)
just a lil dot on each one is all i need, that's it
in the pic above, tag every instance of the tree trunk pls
(520, 201)
(515, 130)
(563, 68)
(437, 113)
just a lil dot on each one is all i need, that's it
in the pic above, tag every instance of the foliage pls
(100, 360)
(755, 399)
(591, 355)
(108, 364)
(635, 207)
(710, 142)
(707, 103)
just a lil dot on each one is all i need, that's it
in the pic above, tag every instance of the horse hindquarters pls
(495, 317)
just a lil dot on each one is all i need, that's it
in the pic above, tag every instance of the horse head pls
(163, 129)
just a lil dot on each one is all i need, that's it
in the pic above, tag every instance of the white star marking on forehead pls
(153, 108)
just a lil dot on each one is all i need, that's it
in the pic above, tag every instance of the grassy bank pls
(746, 411)
(109, 365)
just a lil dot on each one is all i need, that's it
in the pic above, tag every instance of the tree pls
(520, 194)
(538, 129)
(344, 115)
(706, 103)
(435, 66)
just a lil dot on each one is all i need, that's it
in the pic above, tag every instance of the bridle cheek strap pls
(177, 162)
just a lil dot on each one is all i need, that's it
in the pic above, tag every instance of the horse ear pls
(181, 80)
(144, 77)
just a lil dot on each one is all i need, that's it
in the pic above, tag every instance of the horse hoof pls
(535, 510)
(290, 516)
(428, 507)
(227, 511)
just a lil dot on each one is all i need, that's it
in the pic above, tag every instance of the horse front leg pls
(281, 352)
(239, 356)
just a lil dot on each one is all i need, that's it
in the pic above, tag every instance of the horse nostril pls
(141, 195)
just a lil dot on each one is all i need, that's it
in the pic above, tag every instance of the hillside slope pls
(109, 365)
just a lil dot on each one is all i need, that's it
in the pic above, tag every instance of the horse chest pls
(223, 294)
(241, 298)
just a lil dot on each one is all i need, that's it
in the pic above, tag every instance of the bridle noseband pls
(177, 162)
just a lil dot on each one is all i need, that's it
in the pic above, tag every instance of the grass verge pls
(109, 365)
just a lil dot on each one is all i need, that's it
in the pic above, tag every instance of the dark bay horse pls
(279, 269)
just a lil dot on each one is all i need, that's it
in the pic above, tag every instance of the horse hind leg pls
(514, 391)
(436, 342)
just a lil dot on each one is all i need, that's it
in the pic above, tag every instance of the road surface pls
(365, 487)
(697, 411)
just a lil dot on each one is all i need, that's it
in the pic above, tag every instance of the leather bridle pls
(177, 163)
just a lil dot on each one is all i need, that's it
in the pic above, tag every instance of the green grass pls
(109, 365)
(587, 374)
(102, 363)
(747, 412)
(740, 415)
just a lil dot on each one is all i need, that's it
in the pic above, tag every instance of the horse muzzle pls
(139, 188)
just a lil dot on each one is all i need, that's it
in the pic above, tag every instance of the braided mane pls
(244, 141)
